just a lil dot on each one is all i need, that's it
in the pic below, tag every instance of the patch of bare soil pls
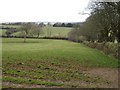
(110, 74)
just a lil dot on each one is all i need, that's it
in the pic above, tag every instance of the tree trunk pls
(25, 38)
(38, 35)
(118, 34)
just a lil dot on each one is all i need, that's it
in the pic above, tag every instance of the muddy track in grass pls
(108, 74)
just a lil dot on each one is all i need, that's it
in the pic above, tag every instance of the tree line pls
(103, 24)
(63, 25)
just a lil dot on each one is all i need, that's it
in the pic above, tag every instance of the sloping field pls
(50, 32)
(56, 63)
(56, 31)
(46, 31)
(2, 32)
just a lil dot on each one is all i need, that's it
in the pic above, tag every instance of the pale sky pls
(42, 10)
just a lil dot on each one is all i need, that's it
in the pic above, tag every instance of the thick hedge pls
(108, 48)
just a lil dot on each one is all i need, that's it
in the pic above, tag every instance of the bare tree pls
(106, 15)
(37, 29)
(25, 27)
(103, 22)
(48, 30)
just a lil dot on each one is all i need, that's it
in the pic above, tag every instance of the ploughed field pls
(55, 63)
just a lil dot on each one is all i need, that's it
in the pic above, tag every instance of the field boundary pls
(60, 38)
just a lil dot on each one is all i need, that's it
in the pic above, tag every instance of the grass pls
(62, 50)
(51, 32)
(30, 81)
(46, 31)
(56, 31)
(11, 26)
(2, 32)
(51, 62)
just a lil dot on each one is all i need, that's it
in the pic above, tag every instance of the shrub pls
(108, 48)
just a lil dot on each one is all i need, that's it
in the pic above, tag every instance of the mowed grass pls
(51, 62)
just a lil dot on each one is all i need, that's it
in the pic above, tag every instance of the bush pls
(108, 48)
(100, 46)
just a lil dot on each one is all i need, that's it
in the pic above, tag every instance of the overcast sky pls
(42, 10)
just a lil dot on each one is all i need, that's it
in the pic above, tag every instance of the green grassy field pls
(56, 31)
(2, 32)
(46, 31)
(52, 63)
(11, 26)
(50, 32)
